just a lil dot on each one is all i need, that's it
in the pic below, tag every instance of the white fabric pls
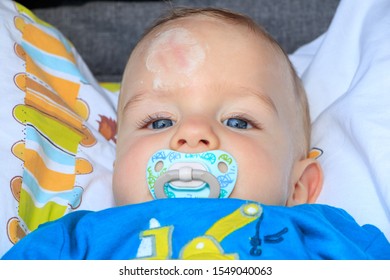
(346, 73)
(94, 177)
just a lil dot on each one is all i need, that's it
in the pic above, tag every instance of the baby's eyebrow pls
(244, 92)
(137, 98)
(145, 95)
(263, 97)
(134, 100)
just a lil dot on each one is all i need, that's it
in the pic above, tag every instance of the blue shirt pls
(204, 229)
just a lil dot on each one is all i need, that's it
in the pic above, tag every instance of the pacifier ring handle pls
(187, 174)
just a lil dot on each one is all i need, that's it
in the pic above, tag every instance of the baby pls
(205, 86)
(214, 80)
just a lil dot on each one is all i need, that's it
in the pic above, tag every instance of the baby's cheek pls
(129, 188)
(261, 176)
(128, 176)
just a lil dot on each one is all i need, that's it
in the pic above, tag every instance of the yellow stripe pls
(23, 10)
(113, 87)
(59, 133)
(34, 216)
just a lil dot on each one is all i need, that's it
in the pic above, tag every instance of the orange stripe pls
(46, 42)
(48, 179)
(31, 84)
(53, 110)
(66, 89)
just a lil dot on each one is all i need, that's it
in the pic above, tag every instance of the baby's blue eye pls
(161, 124)
(237, 123)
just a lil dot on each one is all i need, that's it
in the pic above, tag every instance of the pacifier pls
(211, 174)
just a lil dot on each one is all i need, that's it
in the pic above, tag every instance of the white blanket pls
(346, 72)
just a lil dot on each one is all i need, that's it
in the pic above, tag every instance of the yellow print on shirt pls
(156, 242)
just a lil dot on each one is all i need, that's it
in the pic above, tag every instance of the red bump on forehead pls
(174, 54)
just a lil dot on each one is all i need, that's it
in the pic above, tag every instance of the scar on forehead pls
(173, 56)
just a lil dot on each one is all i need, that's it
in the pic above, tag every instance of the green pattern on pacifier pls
(208, 174)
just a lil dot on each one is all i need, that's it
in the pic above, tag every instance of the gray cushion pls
(104, 32)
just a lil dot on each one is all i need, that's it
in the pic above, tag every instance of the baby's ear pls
(307, 182)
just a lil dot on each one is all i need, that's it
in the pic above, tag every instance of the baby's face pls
(199, 85)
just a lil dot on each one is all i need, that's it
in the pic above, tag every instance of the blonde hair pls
(302, 129)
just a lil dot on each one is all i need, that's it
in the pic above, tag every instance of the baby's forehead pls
(193, 41)
(210, 29)
(203, 24)
(191, 21)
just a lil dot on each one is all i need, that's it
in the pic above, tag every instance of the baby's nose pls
(195, 135)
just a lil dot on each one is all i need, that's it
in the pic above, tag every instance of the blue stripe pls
(50, 150)
(51, 61)
(41, 196)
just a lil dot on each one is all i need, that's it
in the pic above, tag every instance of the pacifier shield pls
(208, 174)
